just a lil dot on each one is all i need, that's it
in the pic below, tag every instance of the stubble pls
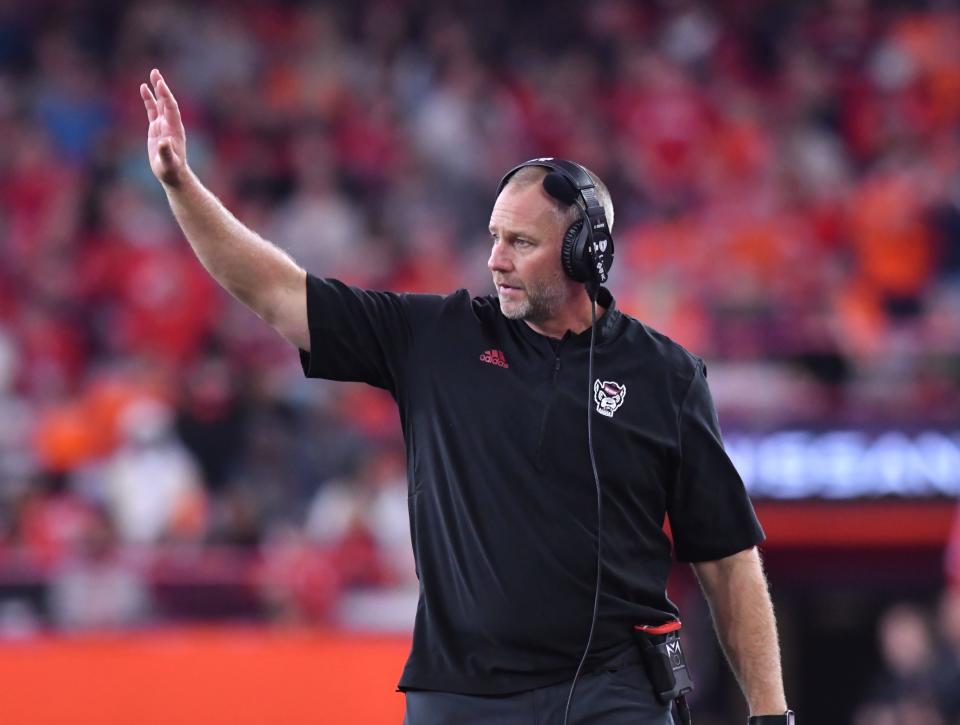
(541, 303)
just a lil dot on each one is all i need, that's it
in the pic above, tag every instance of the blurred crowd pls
(787, 188)
(918, 666)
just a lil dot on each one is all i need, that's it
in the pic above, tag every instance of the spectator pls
(903, 691)
(96, 588)
(152, 486)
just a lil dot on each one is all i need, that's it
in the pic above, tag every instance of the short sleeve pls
(356, 335)
(711, 516)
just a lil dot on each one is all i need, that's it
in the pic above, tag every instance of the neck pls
(574, 316)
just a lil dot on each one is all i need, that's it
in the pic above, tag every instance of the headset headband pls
(574, 173)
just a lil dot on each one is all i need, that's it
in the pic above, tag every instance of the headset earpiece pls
(576, 262)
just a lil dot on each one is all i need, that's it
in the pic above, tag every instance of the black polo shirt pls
(502, 498)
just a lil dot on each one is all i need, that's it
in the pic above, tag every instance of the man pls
(491, 394)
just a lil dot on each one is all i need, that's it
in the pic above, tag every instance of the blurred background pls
(787, 186)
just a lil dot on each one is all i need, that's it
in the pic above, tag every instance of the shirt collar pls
(607, 324)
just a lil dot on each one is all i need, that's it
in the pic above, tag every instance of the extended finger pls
(165, 95)
(149, 102)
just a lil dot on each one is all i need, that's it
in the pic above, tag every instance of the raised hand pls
(166, 139)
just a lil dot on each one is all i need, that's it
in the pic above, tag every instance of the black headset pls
(587, 250)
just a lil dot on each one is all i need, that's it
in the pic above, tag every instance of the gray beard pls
(542, 302)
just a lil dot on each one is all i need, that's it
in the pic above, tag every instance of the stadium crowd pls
(787, 182)
(918, 666)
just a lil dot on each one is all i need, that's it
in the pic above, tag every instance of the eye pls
(523, 243)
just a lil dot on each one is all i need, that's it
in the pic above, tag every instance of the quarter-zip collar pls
(608, 326)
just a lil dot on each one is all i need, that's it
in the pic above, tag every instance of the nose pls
(499, 258)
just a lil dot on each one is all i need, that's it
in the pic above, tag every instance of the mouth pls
(505, 287)
(508, 290)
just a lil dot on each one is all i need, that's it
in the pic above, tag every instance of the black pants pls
(622, 696)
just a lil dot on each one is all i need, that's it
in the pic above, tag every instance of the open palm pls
(166, 138)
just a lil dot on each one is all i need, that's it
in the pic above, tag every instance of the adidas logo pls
(494, 357)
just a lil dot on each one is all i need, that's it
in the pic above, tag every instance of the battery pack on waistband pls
(666, 664)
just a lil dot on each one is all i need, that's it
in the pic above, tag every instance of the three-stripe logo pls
(494, 357)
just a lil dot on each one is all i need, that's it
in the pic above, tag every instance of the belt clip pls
(666, 664)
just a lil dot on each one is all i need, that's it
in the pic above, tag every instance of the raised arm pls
(253, 270)
(736, 590)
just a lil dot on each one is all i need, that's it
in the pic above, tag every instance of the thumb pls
(171, 165)
(167, 154)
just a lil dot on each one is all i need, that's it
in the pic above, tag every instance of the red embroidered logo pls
(494, 357)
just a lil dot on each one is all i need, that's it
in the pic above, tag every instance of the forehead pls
(525, 208)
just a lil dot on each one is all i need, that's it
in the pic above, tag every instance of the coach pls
(503, 458)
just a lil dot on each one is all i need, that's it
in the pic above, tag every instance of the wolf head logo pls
(608, 396)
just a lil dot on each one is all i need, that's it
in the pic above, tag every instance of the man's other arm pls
(253, 270)
(736, 589)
